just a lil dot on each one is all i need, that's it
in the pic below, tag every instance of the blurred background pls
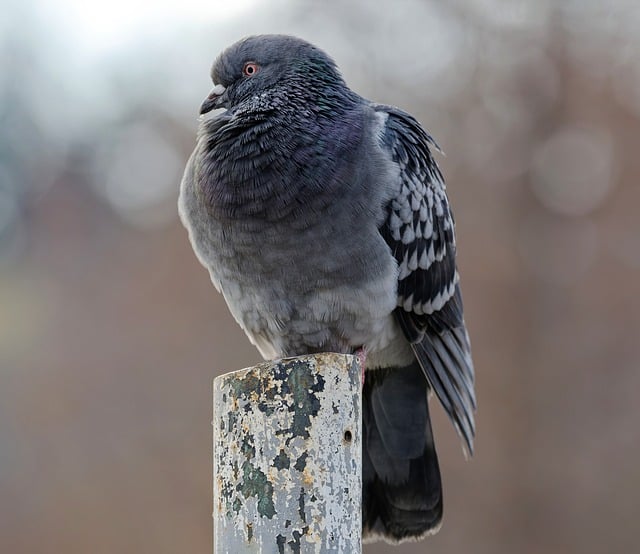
(111, 333)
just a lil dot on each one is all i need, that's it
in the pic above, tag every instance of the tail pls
(401, 487)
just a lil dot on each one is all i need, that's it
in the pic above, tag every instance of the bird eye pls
(250, 68)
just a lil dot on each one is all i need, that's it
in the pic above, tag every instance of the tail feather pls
(402, 491)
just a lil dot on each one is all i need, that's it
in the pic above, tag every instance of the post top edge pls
(321, 359)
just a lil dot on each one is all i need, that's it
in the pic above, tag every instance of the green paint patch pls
(247, 447)
(243, 387)
(301, 512)
(266, 408)
(304, 386)
(294, 544)
(281, 461)
(232, 420)
(301, 462)
(255, 483)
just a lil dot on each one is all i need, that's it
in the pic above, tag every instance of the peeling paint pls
(281, 461)
(301, 462)
(282, 467)
(303, 515)
(295, 542)
(304, 386)
(255, 483)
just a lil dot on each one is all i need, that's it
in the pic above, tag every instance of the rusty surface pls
(287, 457)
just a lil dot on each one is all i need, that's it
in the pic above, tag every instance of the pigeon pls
(323, 220)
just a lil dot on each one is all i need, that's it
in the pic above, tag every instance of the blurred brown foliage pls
(110, 332)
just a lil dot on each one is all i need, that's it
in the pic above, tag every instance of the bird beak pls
(216, 99)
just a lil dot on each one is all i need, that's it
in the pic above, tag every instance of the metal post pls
(287, 469)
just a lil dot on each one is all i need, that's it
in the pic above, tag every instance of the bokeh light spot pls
(572, 170)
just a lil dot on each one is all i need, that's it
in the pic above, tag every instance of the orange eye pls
(250, 69)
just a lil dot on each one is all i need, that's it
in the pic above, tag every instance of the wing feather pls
(419, 229)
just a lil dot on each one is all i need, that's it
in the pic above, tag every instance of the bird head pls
(276, 68)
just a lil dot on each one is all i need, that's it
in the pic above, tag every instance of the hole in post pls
(347, 436)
